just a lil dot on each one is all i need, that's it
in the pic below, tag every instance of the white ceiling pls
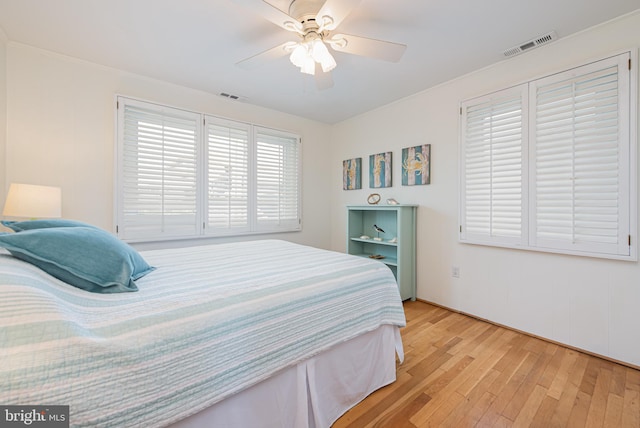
(196, 43)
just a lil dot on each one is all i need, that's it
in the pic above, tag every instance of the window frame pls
(286, 221)
(490, 239)
(627, 164)
(202, 150)
(209, 229)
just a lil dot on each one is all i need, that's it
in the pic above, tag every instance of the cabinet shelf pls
(373, 241)
(397, 221)
(391, 261)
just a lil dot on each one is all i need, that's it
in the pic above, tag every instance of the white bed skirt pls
(314, 393)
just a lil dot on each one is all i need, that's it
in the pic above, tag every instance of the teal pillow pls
(85, 257)
(19, 226)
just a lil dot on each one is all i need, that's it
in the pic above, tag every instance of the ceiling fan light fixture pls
(309, 66)
(329, 64)
(299, 54)
(321, 55)
(305, 55)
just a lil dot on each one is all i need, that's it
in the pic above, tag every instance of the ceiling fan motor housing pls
(305, 10)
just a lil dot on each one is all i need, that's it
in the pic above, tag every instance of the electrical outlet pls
(455, 271)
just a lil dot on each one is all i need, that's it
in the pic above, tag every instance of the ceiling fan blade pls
(380, 49)
(337, 10)
(266, 56)
(323, 80)
(272, 13)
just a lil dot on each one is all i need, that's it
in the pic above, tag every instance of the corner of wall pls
(3, 112)
(3, 36)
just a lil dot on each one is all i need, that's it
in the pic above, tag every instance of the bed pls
(263, 334)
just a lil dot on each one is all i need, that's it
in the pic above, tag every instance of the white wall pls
(592, 304)
(61, 118)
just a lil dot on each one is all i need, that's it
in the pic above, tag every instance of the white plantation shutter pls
(158, 171)
(277, 180)
(580, 159)
(183, 174)
(492, 164)
(566, 142)
(227, 148)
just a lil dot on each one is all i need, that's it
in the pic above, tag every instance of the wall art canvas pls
(352, 174)
(416, 165)
(380, 170)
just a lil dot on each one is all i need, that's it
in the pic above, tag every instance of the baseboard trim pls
(593, 354)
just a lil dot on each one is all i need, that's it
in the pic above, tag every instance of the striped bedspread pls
(209, 322)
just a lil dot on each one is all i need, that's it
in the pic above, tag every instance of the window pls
(549, 165)
(277, 180)
(158, 171)
(184, 175)
(227, 148)
(493, 168)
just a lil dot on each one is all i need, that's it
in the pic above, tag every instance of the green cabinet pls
(396, 246)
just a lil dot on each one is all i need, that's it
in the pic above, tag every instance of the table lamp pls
(31, 201)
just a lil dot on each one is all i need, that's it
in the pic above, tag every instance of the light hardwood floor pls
(462, 372)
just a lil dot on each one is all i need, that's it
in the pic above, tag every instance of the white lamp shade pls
(306, 54)
(309, 66)
(298, 55)
(322, 56)
(31, 201)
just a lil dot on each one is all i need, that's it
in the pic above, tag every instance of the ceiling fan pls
(314, 21)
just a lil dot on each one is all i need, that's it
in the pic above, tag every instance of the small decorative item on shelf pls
(393, 240)
(373, 199)
(365, 237)
(376, 256)
(392, 201)
(378, 230)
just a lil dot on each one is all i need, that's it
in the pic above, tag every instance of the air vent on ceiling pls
(232, 97)
(538, 41)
